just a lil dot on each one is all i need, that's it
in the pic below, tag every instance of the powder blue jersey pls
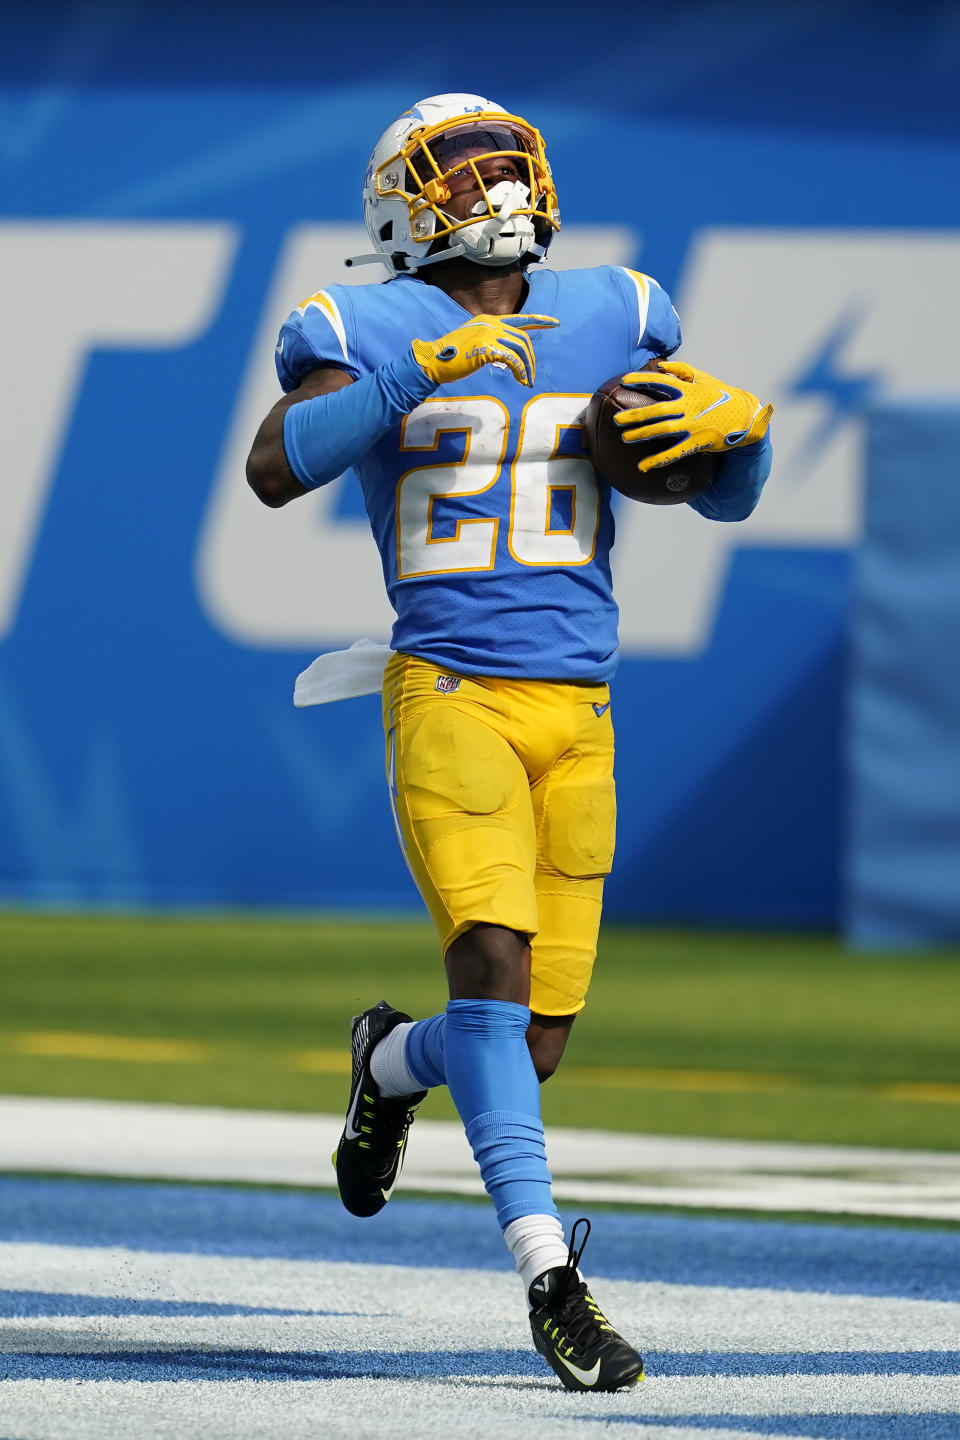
(493, 529)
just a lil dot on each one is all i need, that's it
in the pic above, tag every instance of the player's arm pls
(698, 413)
(323, 434)
(268, 470)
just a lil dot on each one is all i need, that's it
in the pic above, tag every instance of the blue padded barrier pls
(903, 856)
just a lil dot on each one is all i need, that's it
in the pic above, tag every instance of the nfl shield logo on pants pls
(446, 684)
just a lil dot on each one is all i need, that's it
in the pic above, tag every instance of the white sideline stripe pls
(171, 1142)
(468, 1407)
(423, 1309)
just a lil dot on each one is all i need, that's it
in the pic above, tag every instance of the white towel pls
(341, 674)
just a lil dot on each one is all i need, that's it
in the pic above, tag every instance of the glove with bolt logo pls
(484, 340)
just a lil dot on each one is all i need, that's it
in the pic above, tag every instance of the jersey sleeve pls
(318, 332)
(653, 326)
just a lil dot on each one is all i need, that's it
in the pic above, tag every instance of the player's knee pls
(546, 1040)
(545, 1068)
(489, 962)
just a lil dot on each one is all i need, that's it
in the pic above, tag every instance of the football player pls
(455, 390)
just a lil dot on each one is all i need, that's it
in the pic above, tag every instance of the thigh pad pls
(578, 822)
(458, 764)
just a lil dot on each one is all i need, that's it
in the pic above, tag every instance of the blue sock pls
(424, 1052)
(494, 1086)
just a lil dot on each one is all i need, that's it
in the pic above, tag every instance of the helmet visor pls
(449, 153)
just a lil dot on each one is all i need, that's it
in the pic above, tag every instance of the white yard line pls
(424, 1309)
(171, 1142)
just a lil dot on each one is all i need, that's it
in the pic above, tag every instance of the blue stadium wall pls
(174, 178)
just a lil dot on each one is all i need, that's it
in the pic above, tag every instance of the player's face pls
(450, 152)
(465, 190)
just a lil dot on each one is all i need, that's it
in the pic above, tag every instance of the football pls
(616, 461)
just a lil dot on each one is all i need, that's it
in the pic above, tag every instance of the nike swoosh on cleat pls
(358, 1045)
(601, 709)
(586, 1377)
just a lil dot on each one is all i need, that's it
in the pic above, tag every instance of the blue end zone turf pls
(187, 1364)
(211, 1220)
(828, 1362)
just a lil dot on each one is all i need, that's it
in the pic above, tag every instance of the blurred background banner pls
(174, 178)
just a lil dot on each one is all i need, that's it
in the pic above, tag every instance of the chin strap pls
(366, 260)
(450, 253)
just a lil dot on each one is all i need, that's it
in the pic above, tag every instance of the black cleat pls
(370, 1152)
(571, 1333)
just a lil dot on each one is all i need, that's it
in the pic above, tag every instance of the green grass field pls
(772, 1036)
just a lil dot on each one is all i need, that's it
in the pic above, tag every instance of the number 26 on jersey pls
(554, 501)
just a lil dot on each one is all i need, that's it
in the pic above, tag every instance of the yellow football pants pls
(503, 796)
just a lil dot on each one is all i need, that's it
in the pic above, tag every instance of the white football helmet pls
(432, 146)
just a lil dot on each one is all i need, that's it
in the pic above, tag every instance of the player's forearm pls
(327, 434)
(740, 478)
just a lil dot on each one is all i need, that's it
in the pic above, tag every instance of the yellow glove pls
(484, 340)
(706, 415)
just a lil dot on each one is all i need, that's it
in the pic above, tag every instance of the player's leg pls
(465, 817)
